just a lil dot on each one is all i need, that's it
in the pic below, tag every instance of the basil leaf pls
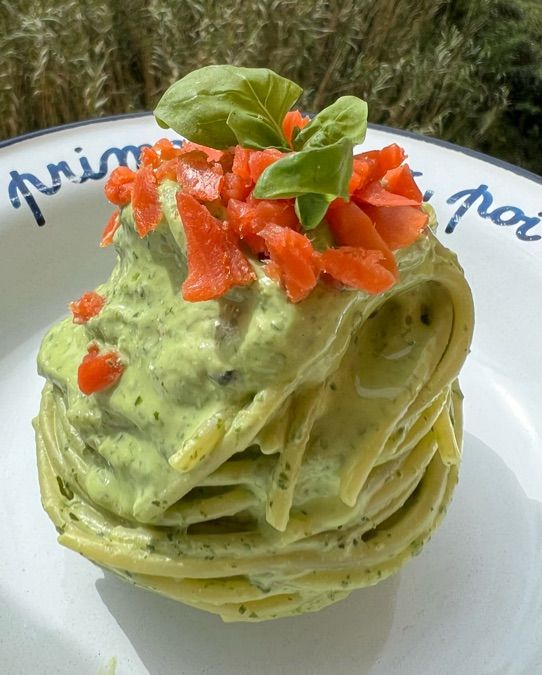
(200, 106)
(324, 170)
(311, 209)
(250, 135)
(346, 118)
(321, 237)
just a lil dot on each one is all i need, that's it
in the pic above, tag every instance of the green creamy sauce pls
(188, 361)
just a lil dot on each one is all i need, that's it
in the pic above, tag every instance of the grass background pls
(469, 71)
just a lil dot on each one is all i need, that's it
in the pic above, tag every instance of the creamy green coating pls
(186, 362)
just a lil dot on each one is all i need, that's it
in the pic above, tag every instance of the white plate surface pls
(470, 604)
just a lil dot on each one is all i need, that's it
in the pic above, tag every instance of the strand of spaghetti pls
(305, 408)
(227, 503)
(414, 429)
(447, 443)
(272, 436)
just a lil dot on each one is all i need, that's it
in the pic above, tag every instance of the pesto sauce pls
(186, 362)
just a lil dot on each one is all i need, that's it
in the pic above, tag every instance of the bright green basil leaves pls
(322, 167)
(311, 208)
(323, 171)
(221, 106)
(346, 118)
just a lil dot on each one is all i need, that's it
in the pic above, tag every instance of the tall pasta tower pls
(254, 448)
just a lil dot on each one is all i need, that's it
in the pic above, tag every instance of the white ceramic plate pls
(471, 604)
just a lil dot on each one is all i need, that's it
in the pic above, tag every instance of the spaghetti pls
(257, 458)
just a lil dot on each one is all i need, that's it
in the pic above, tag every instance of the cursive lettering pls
(23, 185)
(503, 216)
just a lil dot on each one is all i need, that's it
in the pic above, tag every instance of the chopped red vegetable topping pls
(112, 226)
(99, 371)
(293, 257)
(215, 261)
(399, 226)
(292, 120)
(118, 188)
(88, 305)
(145, 202)
(199, 177)
(357, 268)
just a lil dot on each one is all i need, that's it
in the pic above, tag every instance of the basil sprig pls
(324, 170)
(328, 138)
(220, 106)
(346, 118)
(311, 208)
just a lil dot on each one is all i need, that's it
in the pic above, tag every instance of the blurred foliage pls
(469, 71)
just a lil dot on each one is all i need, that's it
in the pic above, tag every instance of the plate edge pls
(501, 163)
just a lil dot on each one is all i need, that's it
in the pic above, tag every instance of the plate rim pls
(469, 152)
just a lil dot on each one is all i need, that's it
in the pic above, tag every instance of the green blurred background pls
(469, 71)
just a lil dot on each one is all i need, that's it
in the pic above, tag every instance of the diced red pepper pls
(215, 261)
(118, 188)
(291, 120)
(376, 194)
(400, 181)
(145, 202)
(352, 227)
(294, 256)
(399, 226)
(112, 226)
(357, 268)
(98, 372)
(89, 304)
(198, 177)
